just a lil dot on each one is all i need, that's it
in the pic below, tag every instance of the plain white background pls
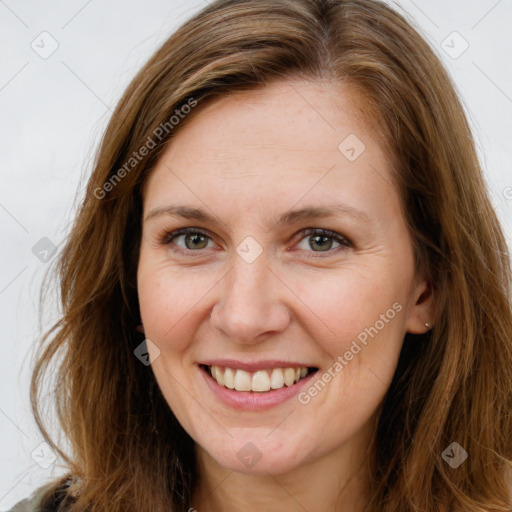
(53, 109)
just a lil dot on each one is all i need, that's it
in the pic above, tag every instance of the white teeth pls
(229, 378)
(242, 380)
(260, 381)
(218, 375)
(289, 376)
(277, 379)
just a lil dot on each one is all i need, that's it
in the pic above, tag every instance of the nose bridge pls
(250, 302)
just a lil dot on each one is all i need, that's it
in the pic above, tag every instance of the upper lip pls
(254, 366)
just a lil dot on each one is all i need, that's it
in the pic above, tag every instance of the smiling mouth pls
(261, 381)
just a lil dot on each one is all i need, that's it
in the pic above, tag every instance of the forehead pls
(289, 140)
(290, 115)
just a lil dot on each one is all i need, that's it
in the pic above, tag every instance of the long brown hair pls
(127, 451)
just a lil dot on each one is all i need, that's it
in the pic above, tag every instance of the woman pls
(286, 288)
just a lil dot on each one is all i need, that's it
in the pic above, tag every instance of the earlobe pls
(422, 313)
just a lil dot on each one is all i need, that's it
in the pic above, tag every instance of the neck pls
(338, 481)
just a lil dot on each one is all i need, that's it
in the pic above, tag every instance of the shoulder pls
(34, 502)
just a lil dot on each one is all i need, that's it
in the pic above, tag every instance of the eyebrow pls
(289, 217)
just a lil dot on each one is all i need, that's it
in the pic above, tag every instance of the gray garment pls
(32, 503)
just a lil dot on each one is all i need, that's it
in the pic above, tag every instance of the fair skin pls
(302, 302)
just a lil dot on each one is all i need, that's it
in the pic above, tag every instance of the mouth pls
(265, 380)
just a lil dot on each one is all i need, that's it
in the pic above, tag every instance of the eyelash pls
(345, 243)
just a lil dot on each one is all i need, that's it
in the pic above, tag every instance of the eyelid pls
(168, 236)
(327, 233)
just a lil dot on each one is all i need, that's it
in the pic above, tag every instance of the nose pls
(251, 305)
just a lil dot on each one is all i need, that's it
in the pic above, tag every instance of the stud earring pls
(427, 325)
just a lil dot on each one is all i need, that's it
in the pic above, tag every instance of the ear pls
(422, 310)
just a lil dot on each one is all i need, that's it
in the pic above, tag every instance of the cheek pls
(361, 332)
(169, 303)
(354, 305)
(159, 303)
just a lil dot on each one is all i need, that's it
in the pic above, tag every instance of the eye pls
(322, 240)
(187, 239)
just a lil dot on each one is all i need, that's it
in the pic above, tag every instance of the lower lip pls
(251, 400)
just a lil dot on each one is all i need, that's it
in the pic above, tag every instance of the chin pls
(265, 465)
(256, 455)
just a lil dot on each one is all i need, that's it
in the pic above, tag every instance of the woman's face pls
(296, 264)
